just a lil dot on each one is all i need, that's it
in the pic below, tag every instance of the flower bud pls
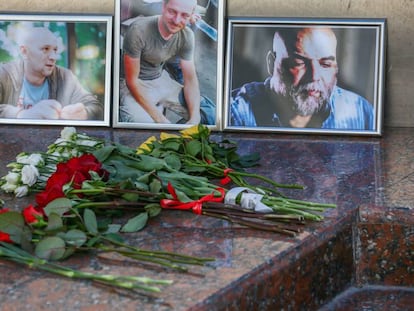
(7, 187)
(12, 178)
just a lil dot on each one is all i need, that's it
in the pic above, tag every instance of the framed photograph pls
(305, 75)
(168, 63)
(55, 69)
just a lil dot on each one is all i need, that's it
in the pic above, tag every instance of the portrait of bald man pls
(33, 86)
(301, 89)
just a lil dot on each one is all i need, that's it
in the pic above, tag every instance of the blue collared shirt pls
(253, 105)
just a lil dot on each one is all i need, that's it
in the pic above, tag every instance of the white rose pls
(12, 178)
(7, 187)
(35, 159)
(29, 175)
(67, 133)
(21, 191)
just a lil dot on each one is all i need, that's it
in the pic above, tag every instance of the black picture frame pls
(360, 56)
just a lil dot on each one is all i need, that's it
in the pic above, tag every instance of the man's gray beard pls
(305, 105)
(301, 103)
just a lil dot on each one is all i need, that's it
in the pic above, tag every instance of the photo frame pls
(56, 69)
(172, 113)
(331, 82)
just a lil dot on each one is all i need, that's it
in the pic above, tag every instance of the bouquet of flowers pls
(83, 184)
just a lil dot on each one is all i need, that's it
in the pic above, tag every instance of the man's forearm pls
(192, 98)
(147, 105)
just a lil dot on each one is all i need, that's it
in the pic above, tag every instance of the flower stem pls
(163, 258)
(12, 253)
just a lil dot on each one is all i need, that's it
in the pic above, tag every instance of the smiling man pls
(34, 87)
(148, 93)
(302, 90)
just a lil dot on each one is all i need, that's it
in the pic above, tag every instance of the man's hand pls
(45, 109)
(74, 112)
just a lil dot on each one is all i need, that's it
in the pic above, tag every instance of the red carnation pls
(32, 215)
(51, 193)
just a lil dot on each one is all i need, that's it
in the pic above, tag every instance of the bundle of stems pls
(289, 225)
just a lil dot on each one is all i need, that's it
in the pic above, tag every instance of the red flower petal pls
(43, 198)
(5, 237)
(31, 214)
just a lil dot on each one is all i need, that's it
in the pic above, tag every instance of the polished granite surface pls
(371, 179)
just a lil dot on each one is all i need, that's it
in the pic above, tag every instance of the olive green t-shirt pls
(143, 40)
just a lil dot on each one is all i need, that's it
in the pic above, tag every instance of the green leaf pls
(92, 241)
(119, 170)
(113, 228)
(50, 248)
(141, 186)
(70, 250)
(173, 161)
(153, 209)
(117, 238)
(54, 222)
(155, 186)
(193, 147)
(208, 151)
(148, 163)
(74, 237)
(145, 177)
(172, 144)
(130, 197)
(104, 222)
(182, 196)
(58, 206)
(13, 224)
(136, 223)
(104, 153)
(91, 223)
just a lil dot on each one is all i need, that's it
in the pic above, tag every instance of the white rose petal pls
(21, 191)
(23, 159)
(35, 159)
(60, 141)
(67, 133)
(12, 178)
(7, 187)
(86, 142)
(55, 154)
(29, 175)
